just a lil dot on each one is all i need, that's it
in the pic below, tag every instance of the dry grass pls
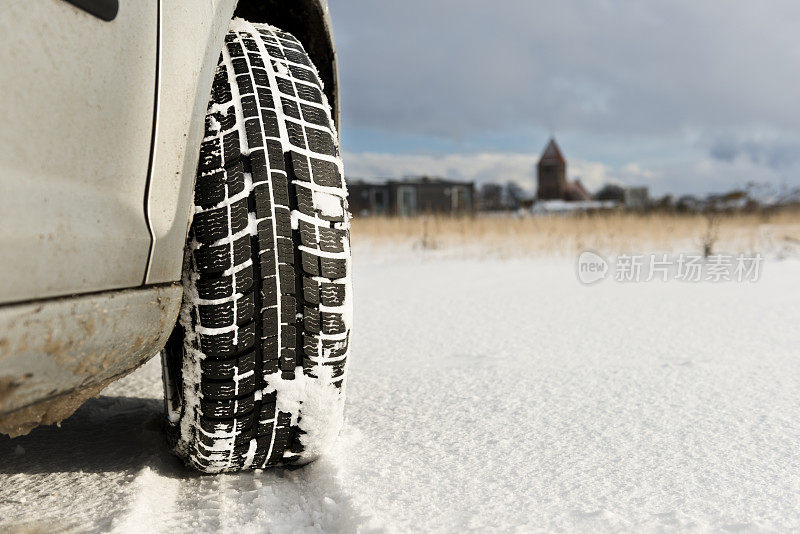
(604, 232)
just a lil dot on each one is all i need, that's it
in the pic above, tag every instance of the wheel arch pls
(309, 21)
(189, 48)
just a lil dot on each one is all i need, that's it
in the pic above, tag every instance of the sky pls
(682, 96)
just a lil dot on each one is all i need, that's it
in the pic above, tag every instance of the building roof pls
(552, 154)
(576, 191)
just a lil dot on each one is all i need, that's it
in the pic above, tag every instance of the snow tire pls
(254, 372)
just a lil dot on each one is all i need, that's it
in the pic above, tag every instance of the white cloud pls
(478, 167)
(696, 176)
(483, 167)
(712, 175)
(593, 174)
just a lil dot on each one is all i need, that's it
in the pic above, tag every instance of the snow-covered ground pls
(484, 395)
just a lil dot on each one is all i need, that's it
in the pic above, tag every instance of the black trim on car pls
(103, 9)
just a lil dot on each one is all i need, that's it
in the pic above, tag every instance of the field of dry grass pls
(775, 233)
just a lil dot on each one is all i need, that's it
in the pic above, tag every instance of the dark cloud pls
(681, 95)
(779, 153)
(457, 69)
(724, 150)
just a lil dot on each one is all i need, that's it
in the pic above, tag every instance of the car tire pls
(254, 371)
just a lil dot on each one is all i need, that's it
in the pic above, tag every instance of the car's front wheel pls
(254, 372)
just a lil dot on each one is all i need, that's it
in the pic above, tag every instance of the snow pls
(484, 395)
(321, 408)
(328, 204)
(544, 207)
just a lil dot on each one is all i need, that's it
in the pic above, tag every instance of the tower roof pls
(552, 154)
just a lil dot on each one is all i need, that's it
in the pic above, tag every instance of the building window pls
(406, 201)
(459, 199)
(379, 201)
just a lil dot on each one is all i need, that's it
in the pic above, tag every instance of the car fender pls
(190, 39)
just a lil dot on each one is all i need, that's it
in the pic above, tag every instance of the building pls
(576, 192)
(368, 198)
(411, 196)
(636, 197)
(552, 173)
(552, 177)
(510, 196)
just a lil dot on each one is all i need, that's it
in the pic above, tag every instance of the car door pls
(78, 108)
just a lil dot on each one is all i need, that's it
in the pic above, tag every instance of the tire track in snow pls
(274, 500)
(153, 503)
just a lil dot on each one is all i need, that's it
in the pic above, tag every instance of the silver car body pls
(98, 152)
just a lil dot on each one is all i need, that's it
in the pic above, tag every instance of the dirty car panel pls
(55, 354)
(78, 97)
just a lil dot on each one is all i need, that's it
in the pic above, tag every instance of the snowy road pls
(484, 395)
